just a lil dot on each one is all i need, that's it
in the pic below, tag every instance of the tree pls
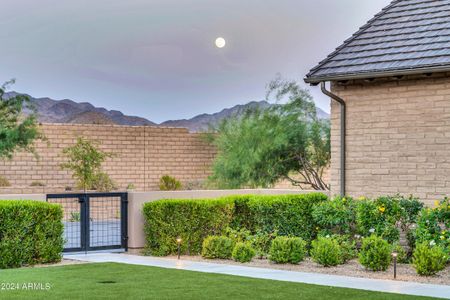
(85, 160)
(17, 130)
(286, 141)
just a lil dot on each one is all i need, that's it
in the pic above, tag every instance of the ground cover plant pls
(119, 281)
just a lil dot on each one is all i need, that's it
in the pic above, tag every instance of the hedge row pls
(194, 219)
(31, 232)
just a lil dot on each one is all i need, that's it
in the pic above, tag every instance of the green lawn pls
(120, 281)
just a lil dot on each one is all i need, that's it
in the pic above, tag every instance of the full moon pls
(220, 42)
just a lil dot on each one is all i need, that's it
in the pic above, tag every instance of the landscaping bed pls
(405, 272)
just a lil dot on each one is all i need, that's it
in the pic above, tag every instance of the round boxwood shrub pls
(375, 253)
(217, 247)
(287, 250)
(326, 251)
(429, 259)
(243, 252)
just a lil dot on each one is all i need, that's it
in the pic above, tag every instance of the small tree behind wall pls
(85, 160)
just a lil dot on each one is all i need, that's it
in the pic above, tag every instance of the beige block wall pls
(144, 154)
(398, 137)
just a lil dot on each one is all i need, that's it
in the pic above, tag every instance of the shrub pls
(169, 183)
(429, 259)
(326, 251)
(37, 183)
(433, 225)
(4, 182)
(192, 220)
(31, 232)
(375, 253)
(348, 247)
(286, 214)
(402, 256)
(103, 183)
(379, 217)
(335, 216)
(261, 242)
(243, 252)
(217, 247)
(237, 235)
(287, 250)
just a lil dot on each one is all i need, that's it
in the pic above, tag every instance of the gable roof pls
(406, 37)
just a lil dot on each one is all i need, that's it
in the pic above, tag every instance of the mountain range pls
(69, 111)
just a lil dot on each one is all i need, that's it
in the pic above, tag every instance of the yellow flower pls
(362, 198)
(317, 228)
(442, 237)
(436, 203)
(381, 209)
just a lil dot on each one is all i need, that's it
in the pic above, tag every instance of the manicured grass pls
(120, 281)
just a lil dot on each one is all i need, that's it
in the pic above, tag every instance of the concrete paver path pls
(378, 285)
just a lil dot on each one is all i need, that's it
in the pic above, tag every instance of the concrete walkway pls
(378, 285)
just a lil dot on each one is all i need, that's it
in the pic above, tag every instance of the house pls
(390, 114)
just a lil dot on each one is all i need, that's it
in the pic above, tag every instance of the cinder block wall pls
(398, 137)
(144, 154)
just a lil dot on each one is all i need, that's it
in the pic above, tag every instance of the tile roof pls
(406, 37)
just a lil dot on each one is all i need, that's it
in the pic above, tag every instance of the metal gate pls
(93, 221)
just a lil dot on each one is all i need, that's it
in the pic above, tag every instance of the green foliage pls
(336, 216)
(402, 256)
(429, 259)
(103, 183)
(217, 247)
(282, 142)
(169, 183)
(75, 216)
(130, 186)
(243, 252)
(237, 235)
(287, 250)
(17, 131)
(85, 159)
(348, 247)
(4, 182)
(30, 233)
(326, 251)
(37, 183)
(285, 214)
(433, 225)
(192, 220)
(261, 242)
(375, 253)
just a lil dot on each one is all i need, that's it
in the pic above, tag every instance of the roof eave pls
(355, 76)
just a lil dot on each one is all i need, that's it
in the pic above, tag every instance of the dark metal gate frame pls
(84, 200)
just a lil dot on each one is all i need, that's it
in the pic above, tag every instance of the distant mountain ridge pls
(68, 111)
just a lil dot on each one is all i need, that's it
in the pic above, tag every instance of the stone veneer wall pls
(398, 137)
(144, 154)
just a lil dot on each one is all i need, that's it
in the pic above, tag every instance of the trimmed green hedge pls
(194, 219)
(31, 232)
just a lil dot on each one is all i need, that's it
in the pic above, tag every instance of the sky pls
(157, 58)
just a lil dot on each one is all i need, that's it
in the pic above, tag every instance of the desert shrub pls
(130, 186)
(37, 183)
(243, 252)
(192, 220)
(4, 182)
(286, 214)
(103, 183)
(375, 253)
(30, 233)
(326, 251)
(169, 183)
(217, 247)
(402, 255)
(335, 216)
(429, 259)
(287, 250)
